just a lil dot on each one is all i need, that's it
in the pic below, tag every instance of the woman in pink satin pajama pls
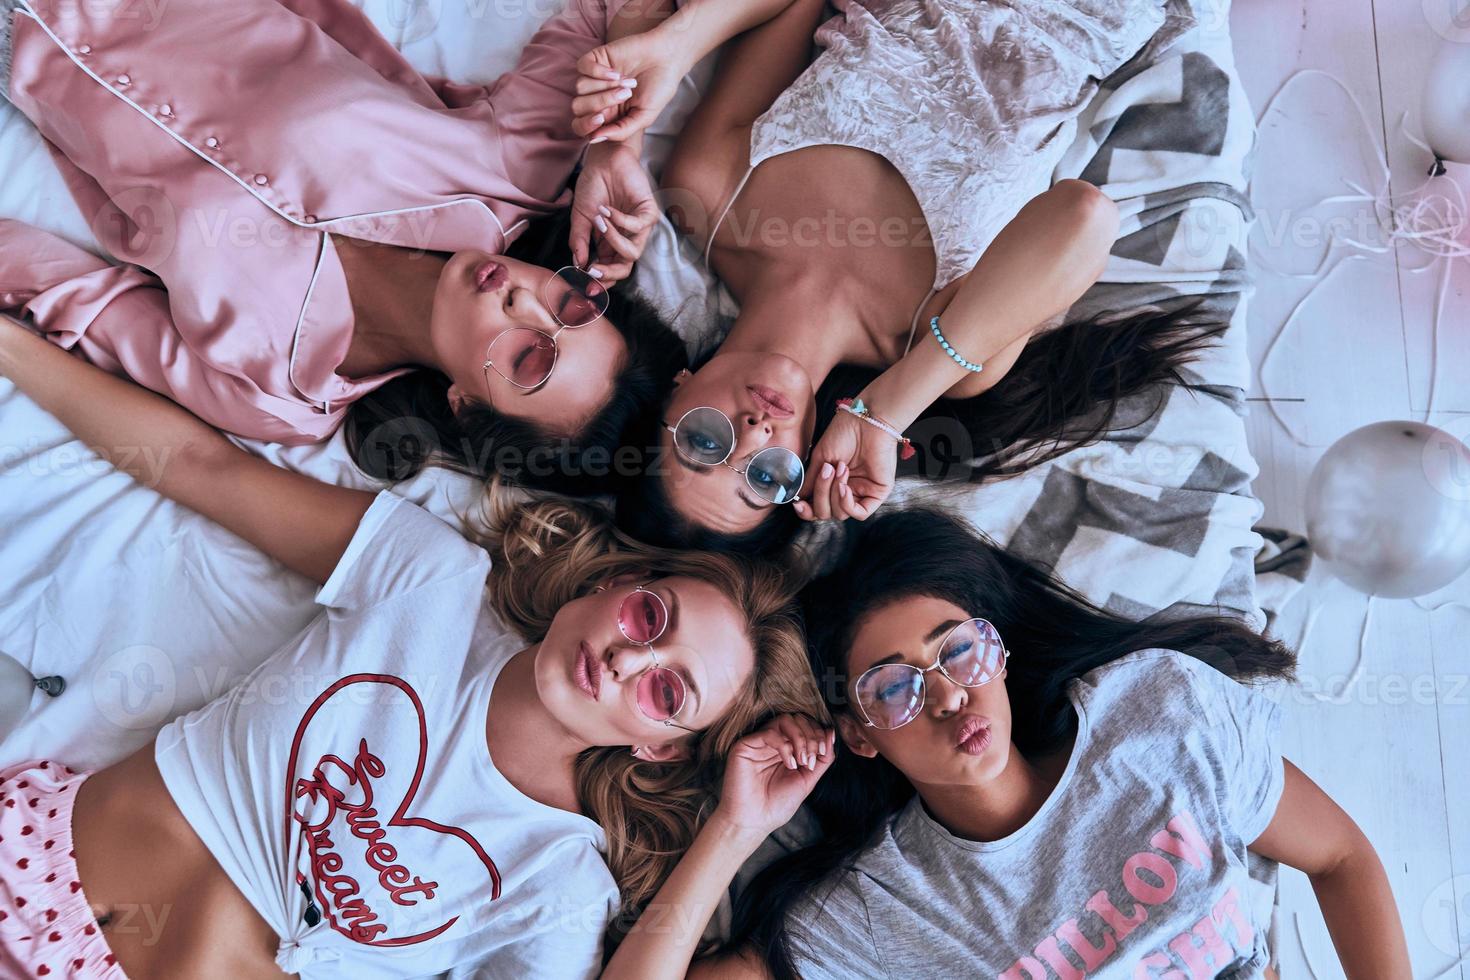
(304, 220)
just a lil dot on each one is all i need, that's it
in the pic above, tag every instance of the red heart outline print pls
(344, 902)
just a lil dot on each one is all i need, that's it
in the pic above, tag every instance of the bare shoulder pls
(702, 173)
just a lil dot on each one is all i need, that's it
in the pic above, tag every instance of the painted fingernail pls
(599, 119)
(595, 272)
(827, 471)
(842, 469)
(623, 94)
(599, 139)
(604, 210)
(600, 222)
(629, 83)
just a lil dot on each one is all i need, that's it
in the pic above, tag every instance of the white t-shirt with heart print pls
(347, 789)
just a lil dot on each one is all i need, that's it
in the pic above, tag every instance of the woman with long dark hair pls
(306, 219)
(1027, 787)
(889, 210)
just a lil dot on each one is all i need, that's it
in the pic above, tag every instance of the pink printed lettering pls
(1141, 888)
(1102, 905)
(1156, 961)
(1208, 956)
(1057, 960)
(1026, 968)
(1092, 956)
(1182, 839)
(1228, 909)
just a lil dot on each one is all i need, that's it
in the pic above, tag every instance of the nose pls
(528, 308)
(628, 660)
(753, 433)
(944, 698)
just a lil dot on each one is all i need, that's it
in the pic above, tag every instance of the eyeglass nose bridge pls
(938, 664)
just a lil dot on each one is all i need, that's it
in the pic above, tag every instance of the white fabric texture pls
(352, 763)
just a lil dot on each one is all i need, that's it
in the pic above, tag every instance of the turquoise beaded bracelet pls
(967, 365)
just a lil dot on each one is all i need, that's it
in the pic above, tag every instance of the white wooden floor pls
(1396, 755)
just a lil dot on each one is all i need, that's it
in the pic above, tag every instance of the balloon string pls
(1341, 697)
(1459, 960)
(1433, 222)
(1447, 604)
(1352, 680)
(1301, 942)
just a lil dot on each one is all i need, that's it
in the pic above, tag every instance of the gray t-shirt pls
(1135, 866)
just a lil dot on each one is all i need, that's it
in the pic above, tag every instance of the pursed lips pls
(490, 276)
(972, 736)
(771, 401)
(588, 672)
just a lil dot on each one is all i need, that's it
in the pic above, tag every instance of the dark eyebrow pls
(941, 629)
(686, 673)
(696, 468)
(929, 638)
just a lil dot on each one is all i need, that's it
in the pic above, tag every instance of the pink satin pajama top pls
(213, 144)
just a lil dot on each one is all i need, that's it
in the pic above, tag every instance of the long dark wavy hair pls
(1067, 389)
(1054, 634)
(407, 424)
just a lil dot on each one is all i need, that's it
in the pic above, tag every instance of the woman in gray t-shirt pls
(1048, 792)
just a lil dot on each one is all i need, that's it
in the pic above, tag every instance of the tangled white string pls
(1433, 222)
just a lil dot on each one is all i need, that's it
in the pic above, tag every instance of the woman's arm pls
(767, 776)
(713, 151)
(1037, 267)
(303, 523)
(627, 82)
(1312, 834)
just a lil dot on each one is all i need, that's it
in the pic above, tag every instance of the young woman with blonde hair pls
(473, 763)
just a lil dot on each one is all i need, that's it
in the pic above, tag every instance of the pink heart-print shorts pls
(47, 929)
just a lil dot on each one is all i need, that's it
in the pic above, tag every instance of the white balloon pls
(1388, 509)
(17, 687)
(1447, 102)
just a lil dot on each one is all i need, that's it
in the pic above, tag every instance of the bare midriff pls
(166, 906)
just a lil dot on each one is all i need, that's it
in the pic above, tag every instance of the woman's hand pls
(770, 772)
(853, 466)
(625, 84)
(614, 198)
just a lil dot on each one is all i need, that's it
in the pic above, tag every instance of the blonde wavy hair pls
(553, 551)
